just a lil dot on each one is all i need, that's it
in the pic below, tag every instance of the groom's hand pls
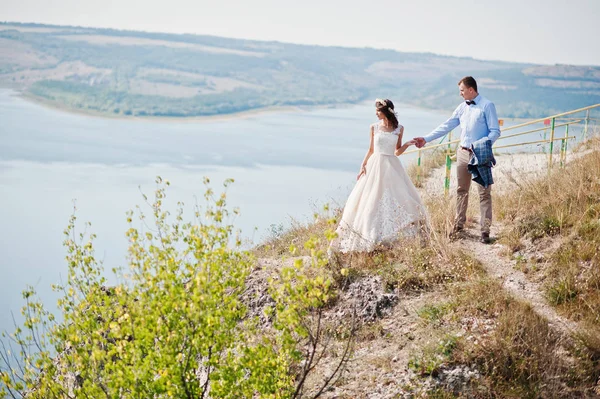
(419, 142)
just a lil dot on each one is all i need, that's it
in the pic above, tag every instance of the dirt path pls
(509, 172)
(513, 280)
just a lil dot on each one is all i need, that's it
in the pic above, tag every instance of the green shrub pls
(175, 326)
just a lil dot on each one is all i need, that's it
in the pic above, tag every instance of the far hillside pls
(155, 74)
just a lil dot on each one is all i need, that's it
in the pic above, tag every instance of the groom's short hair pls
(468, 81)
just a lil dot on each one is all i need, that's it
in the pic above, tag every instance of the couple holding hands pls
(385, 205)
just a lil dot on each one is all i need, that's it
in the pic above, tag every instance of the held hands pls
(407, 144)
(419, 142)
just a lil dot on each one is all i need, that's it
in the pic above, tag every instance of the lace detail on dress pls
(391, 222)
(385, 142)
(390, 219)
(377, 129)
(352, 240)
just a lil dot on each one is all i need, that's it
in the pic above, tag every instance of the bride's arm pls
(400, 148)
(363, 167)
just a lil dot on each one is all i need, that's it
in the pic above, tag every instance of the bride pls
(384, 204)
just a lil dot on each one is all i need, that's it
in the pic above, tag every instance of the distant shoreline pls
(191, 119)
(215, 118)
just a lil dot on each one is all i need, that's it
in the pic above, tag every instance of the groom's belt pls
(466, 148)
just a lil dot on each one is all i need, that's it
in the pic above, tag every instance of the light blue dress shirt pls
(477, 121)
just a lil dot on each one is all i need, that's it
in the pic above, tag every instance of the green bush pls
(175, 326)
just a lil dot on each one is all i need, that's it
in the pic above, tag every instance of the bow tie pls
(470, 102)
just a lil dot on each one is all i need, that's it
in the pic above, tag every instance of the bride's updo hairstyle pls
(387, 108)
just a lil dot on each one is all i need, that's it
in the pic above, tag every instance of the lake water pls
(285, 165)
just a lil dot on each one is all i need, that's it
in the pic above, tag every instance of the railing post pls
(551, 144)
(585, 129)
(419, 167)
(448, 167)
(544, 145)
(563, 148)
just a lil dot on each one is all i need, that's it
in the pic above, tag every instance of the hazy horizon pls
(532, 32)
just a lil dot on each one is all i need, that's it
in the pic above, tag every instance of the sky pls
(529, 31)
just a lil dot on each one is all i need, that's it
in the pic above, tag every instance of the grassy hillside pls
(516, 319)
(153, 74)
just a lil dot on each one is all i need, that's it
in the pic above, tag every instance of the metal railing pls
(550, 125)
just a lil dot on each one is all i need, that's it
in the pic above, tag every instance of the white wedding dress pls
(384, 205)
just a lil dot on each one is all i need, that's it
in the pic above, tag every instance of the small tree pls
(175, 326)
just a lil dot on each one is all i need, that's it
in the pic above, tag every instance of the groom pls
(478, 120)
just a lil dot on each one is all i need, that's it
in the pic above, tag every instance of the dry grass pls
(515, 350)
(429, 162)
(521, 357)
(411, 267)
(556, 203)
(564, 205)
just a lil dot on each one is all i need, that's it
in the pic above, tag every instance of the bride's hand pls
(363, 171)
(404, 147)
